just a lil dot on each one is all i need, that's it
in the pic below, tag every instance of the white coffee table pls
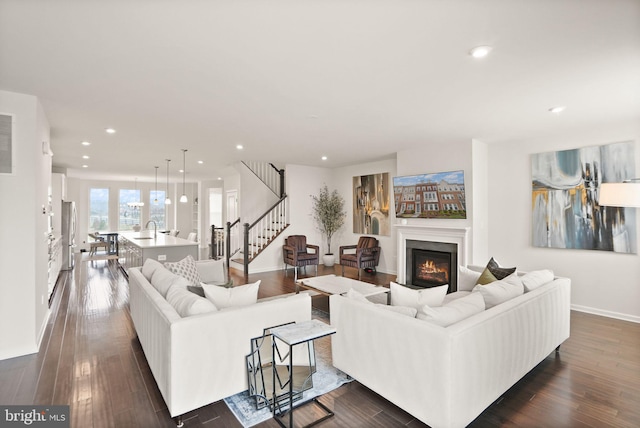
(331, 284)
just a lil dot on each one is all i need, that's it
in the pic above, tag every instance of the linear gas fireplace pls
(430, 264)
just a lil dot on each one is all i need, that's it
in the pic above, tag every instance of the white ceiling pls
(293, 80)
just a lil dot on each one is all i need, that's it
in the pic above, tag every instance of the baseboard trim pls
(608, 314)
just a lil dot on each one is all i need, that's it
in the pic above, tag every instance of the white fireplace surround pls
(450, 235)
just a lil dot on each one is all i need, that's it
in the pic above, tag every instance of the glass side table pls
(292, 335)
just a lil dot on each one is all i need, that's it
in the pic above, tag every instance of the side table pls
(291, 335)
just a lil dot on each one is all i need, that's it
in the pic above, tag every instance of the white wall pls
(602, 282)
(301, 182)
(24, 229)
(342, 180)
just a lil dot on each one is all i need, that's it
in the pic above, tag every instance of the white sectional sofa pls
(446, 376)
(200, 359)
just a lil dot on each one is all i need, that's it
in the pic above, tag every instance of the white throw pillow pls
(404, 310)
(149, 267)
(454, 296)
(224, 297)
(186, 268)
(187, 303)
(500, 291)
(355, 295)
(536, 278)
(211, 271)
(454, 311)
(359, 297)
(162, 280)
(405, 296)
(467, 278)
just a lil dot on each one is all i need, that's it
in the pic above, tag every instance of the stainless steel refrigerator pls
(69, 218)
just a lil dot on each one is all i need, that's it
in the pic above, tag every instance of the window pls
(128, 215)
(99, 210)
(157, 210)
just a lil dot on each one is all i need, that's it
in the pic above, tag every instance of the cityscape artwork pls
(565, 189)
(437, 195)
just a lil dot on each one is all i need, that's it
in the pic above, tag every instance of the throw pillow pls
(186, 268)
(500, 291)
(497, 271)
(467, 278)
(186, 303)
(162, 280)
(486, 277)
(224, 297)
(405, 296)
(536, 278)
(404, 310)
(211, 271)
(199, 291)
(149, 267)
(454, 311)
(355, 295)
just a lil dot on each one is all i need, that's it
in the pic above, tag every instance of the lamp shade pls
(619, 194)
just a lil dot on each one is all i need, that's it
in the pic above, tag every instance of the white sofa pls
(200, 359)
(447, 376)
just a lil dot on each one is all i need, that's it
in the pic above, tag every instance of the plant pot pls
(329, 260)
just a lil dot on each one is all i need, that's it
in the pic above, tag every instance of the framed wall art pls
(436, 195)
(565, 189)
(371, 204)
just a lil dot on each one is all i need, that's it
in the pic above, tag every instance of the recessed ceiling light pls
(200, 162)
(480, 51)
(85, 143)
(219, 178)
(85, 157)
(110, 131)
(239, 147)
(557, 109)
(324, 158)
(85, 166)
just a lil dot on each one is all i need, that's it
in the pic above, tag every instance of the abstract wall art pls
(565, 209)
(371, 204)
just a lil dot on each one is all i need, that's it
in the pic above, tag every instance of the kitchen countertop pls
(161, 240)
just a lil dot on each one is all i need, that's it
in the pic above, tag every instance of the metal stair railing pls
(269, 174)
(258, 235)
(216, 247)
(233, 240)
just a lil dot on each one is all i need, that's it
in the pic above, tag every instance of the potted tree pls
(328, 213)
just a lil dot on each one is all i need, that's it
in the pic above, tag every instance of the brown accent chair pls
(295, 253)
(367, 254)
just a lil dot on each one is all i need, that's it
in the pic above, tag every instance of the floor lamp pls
(625, 194)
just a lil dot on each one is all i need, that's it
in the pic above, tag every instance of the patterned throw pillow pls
(497, 271)
(186, 268)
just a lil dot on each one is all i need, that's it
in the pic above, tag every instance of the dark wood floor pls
(91, 359)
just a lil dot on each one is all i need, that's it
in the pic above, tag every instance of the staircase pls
(244, 242)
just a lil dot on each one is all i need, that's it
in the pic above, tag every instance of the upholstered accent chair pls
(367, 254)
(296, 253)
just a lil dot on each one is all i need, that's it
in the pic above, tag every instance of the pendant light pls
(167, 201)
(138, 203)
(183, 198)
(155, 199)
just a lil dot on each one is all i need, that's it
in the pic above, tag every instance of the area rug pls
(326, 379)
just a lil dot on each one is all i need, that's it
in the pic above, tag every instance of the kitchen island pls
(136, 247)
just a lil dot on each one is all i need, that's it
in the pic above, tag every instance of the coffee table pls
(331, 284)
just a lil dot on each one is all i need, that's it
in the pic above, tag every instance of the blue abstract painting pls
(565, 188)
